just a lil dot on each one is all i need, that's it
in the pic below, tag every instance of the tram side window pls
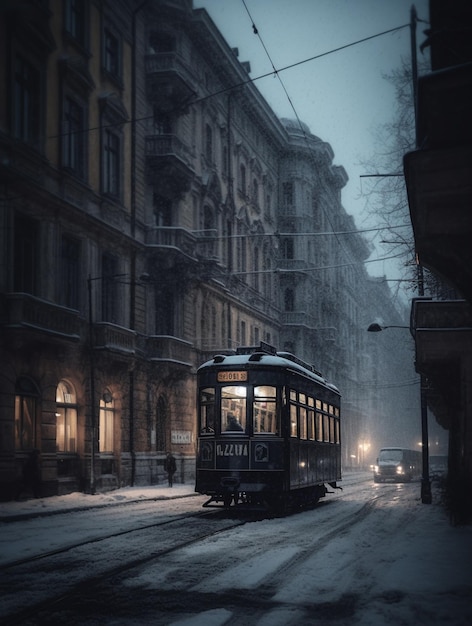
(332, 438)
(326, 428)
(293, 420)
(303, 422)
(264, 413)
(319, 427)
(337, 431)
(233, 408)
(311, 425)
(207, 411)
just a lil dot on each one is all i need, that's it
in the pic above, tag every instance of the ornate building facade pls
(154, 211)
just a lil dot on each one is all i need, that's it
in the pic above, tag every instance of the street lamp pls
(426, 496)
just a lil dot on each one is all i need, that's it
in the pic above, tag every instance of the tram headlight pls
(399, 469)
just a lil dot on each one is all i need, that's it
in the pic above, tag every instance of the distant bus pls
(398, 464)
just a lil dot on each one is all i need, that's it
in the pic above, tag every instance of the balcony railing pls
(164, 145)
(292, 264)
(168, 64)
(22, 310)
(115, 338)
(168, 348)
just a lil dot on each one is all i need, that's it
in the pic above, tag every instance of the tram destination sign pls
(224, 377)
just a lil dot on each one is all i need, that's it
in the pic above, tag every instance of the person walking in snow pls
(170, 466)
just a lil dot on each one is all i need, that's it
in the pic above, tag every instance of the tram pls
(269, 431)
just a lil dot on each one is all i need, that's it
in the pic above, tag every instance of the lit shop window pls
(107, 418)
(66, 417)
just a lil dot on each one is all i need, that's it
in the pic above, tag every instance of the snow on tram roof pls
(279, 359)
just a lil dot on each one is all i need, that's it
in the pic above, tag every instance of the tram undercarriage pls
(280, 502)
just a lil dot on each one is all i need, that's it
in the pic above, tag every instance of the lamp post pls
(426, 496)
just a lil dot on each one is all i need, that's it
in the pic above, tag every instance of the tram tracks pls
(18, 575)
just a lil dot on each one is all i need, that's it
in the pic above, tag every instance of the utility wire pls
(306, 139)
(231, 87)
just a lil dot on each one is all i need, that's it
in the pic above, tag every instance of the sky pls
(342, 96)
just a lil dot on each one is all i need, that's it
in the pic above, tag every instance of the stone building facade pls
(154, 211)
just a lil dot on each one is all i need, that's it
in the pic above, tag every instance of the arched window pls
(66, 418)
(26, 405)
(107, 419)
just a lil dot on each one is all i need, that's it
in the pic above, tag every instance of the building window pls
(256, 268)
(255, 192)
(26, 244)
(26, 109)
(107, 420)
(243, 333)
(161, 42)
(111, 54)
(242, 179)
(289, 300)
(75, 16)
(26, 400)
(74, 137)
(165, 311)
(287, 194)
(162, 122)
(208, 143)
(162, 210)
(111, 164)
(66, 418)
(109, 289)
(287, 248)
(70, 271)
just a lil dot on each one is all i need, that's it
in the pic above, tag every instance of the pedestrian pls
(31, 475)
(170, 466)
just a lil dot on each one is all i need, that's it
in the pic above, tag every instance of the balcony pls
(297, 318)
(170, 349)
(168, 165)
(114, 338)
(23, 311)
(438, 176)
(292, 265)
(170, 84)
(443, 337)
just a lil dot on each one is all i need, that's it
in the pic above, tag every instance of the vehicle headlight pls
(399, 469)
(376, 469)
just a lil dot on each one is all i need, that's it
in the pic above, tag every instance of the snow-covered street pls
(370, 555)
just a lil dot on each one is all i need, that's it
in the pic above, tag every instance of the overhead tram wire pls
(276, 73)
(231, 87)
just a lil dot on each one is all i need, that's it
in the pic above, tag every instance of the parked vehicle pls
(398, 464)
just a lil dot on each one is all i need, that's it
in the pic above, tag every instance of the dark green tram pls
(269, 430)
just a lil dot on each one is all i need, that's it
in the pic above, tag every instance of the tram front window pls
(233, 409)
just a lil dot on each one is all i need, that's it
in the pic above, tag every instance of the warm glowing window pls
(66, 418)
(107, 418)
(264, 410)
(233, 408)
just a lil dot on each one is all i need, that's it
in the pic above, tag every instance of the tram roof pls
(258, 359)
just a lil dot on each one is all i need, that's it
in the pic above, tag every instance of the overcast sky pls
(343, 96)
